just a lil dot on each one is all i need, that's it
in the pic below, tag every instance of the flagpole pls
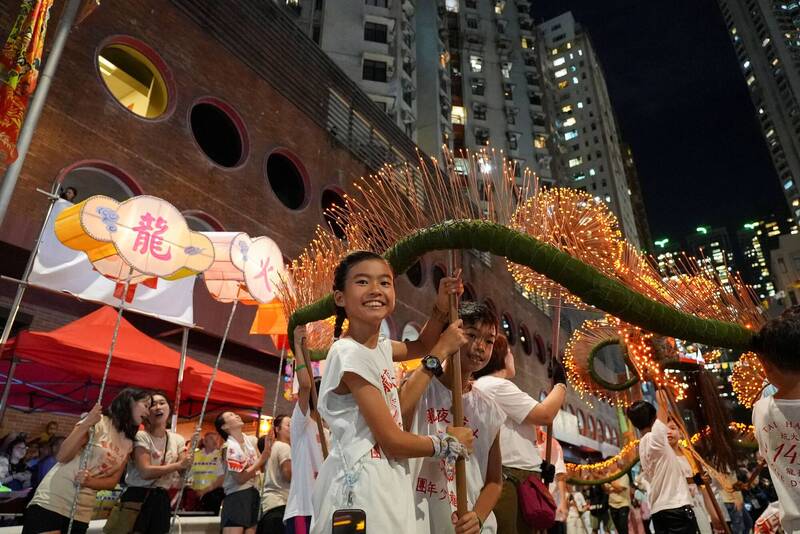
(181, 367)
(37, 105)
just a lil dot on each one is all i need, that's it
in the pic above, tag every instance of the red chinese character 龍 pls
(149, 238)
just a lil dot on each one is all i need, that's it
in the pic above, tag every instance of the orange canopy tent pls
(61, 370)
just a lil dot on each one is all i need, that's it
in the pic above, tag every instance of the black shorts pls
(240, 509)
(38, 519)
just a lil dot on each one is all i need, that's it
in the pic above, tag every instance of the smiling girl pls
(367, 467)
(159, 455)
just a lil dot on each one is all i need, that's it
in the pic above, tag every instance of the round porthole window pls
(219, 132)
(133, 74)
(286, 179)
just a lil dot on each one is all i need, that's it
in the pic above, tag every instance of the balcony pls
(503, 44)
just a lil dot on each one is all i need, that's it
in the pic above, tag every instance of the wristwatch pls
(431, 363)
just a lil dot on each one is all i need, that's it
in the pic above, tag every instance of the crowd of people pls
(393, 445)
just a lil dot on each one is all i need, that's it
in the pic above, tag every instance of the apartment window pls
(526, 42)
(561, 73)
(559, 37)
(471, 4)
(374, 70)
(478, 86)
(513, 140)
(511, 115)
(538, 120)
(472, 23)
(572, 134)
(508, 91)
(559, 61)
(479, 110)
(505, 67)
(476, 63)
(569, 122)
(566, 109)
(540, 141)
(563, 84)
(482, 136)
(377, 3)
(574, 162)
(377, 33)
(458, 115)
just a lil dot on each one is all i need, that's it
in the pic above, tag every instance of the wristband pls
(299, 367)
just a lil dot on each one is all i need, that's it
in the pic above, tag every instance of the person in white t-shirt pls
(521, 458)
(426, 403)
(367, 467)
(577, 506)
(242, 463)
(777, 418)
(670, 501)
(159, 458)
(279, 475)
(306, 450)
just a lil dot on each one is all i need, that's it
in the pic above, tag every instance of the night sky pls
(683, 106)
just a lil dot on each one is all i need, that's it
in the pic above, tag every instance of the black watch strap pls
(431, 363)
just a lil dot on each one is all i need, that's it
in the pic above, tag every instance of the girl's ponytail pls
(341, 315)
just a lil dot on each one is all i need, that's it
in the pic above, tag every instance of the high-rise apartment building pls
(756, 240)
(637, 198)
(711, 247)
(585, 130)
(494, 85)
(374, 43)
(766, 37)
(464, 74)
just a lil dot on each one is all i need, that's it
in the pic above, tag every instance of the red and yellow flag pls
(20, 61)
(271, 321)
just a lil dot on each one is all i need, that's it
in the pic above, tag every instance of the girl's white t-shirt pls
(357, 473)
(434, 486)
(306, 463)
(239, 457)
(777, 429)
(661, 468)
(156, 446)
(110, 449)
(517, 438)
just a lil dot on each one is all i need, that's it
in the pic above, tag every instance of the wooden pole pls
(457, 391)
(313, 396)
(553, 358)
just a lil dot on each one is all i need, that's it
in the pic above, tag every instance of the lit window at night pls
(580, 105)
(592, 172)
(458, 115)
(540, 141)
(476, 63)
(570, 122)
(563, 84)
(506, 68)
(570, 135)
(561, 73)
(567, 109)
(558, 62)
(574, 162)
